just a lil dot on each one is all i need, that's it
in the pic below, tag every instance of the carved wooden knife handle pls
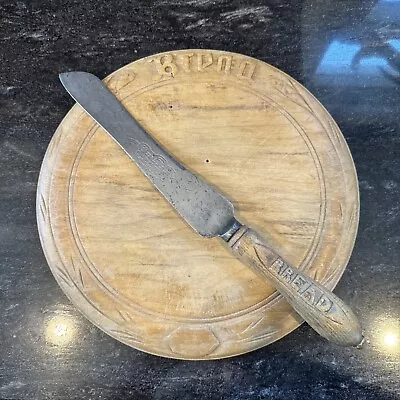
(319, 307)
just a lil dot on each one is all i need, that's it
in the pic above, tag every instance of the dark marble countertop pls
(345, 52)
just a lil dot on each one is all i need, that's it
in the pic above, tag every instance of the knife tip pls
(65, 76)
(62, 76)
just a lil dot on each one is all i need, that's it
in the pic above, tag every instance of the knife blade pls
(206, 210)
(210, 213)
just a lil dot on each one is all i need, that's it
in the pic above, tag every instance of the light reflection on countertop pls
(60, 330)
(385, 338)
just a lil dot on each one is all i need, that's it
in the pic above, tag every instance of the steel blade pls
(205, 209)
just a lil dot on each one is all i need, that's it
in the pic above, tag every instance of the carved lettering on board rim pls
(224, 64)
(167, 66)
(204, 60)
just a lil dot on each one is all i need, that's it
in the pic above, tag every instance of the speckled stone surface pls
(345, 52)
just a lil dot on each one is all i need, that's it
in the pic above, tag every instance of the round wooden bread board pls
(127, 260)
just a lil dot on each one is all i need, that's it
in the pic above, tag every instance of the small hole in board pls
(207, 161)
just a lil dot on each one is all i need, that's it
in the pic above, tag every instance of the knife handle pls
(319, 307)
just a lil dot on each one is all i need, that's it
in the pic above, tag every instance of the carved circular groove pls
(134, 268)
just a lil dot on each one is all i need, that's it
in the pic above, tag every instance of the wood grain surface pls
(134, 268)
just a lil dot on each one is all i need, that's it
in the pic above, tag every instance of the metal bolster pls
(231, 230)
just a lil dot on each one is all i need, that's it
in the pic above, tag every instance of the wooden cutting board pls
(131, 264)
